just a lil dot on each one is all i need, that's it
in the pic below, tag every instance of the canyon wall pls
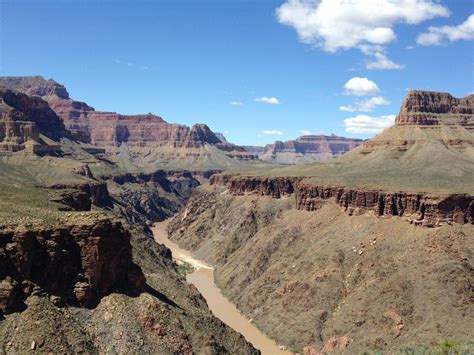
(430, 208)
(309, 148)
(75, 263)
(23, 119)
(326, 281)
(112, 129)
(434, 108)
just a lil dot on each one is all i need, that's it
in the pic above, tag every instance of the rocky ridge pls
(308, 148)
(75, 263)
(425, 209)
(111, 129)
(25, 123)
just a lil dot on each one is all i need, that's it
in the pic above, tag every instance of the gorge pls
(369, 251)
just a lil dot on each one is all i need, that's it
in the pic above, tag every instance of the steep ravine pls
(328, 280)
(94, 281)
(202, 277)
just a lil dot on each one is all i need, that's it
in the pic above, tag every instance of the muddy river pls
(203, 278)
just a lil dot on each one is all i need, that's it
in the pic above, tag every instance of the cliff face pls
(111, 129)
(307, 149)
(76, 264)
(318, 280)
(434, 108)
(23, 118)
(426, 209)
(427, 117)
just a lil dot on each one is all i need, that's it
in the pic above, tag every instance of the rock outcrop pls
(428, 117)
(429, 209)
(434, 108)
(111, 129)
(305, 149)
(25, 120)
(80, 197)
(76, 263)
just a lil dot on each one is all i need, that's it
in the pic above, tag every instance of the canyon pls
(80, 271)
(371, 250)
(368, 251)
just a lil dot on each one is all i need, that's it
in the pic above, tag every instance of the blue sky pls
(209, 61)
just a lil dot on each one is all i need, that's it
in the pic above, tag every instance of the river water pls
(203, 279)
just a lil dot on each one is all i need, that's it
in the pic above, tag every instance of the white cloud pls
(366, 105)
(360, 87)
(381, 62)
(273, 132)
(236, 103)
(341, 24)
(305, 132)
(364, 124)
(268, 100)
(436, 36)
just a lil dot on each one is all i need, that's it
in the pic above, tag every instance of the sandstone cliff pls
(25, 121)
(309, 148)
(111, 129)
(429, 117)
(74, 263)
(426, 209)
(434, 108)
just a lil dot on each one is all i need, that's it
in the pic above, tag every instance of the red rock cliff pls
(434, 108)
(76, 263)
(23, 118)
(429, 207)
(110, 129)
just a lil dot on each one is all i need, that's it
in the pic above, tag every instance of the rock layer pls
(77, 263)
(111, 129)
(434, 108)
(429, 208)
(428, 117)
(309, 148)
(23, 122)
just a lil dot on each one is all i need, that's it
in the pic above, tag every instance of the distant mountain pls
(144, 138)
(305, 149)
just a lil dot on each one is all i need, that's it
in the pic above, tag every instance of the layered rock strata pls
(111, 129)
(74, 263)
(434, 108)
(428, 117)
(309, 148)
(430, 208)
(23, 122)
